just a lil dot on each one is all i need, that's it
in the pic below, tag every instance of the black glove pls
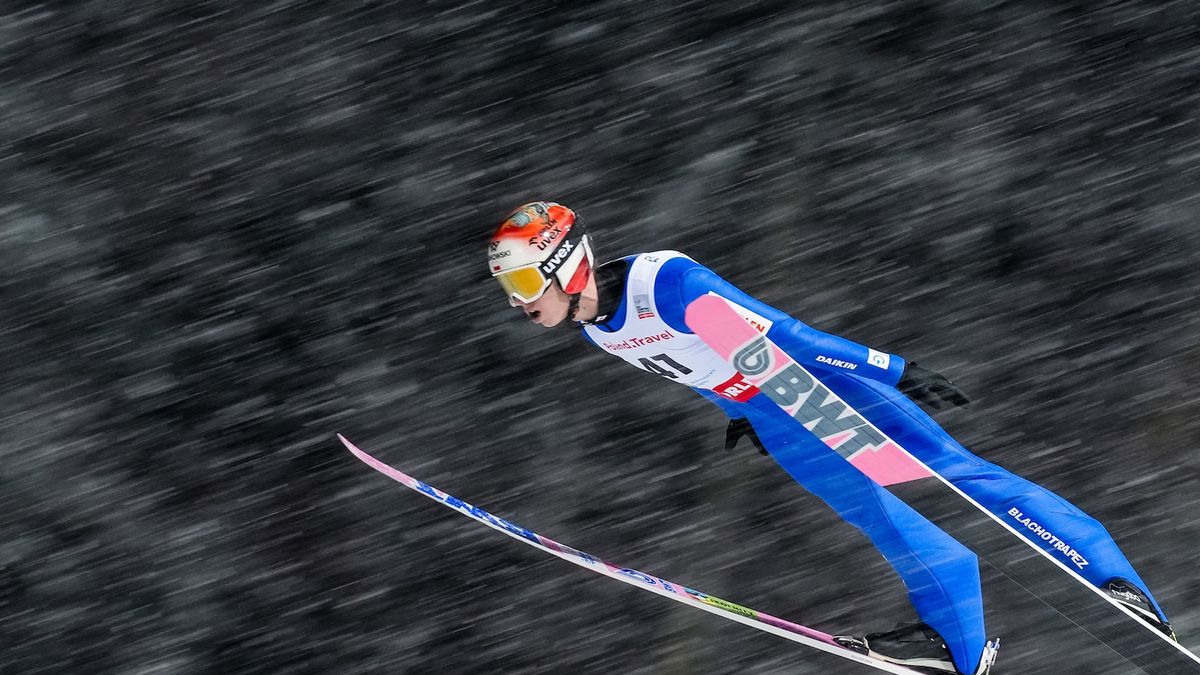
(932, 389)
(738, 428)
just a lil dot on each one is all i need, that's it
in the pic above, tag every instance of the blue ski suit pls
(940, 574)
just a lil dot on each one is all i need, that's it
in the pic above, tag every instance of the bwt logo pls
(815, 407)
(754, 358)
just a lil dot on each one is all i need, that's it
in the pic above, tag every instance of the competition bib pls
(647, 342)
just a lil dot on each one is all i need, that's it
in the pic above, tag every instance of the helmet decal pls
(528, 214)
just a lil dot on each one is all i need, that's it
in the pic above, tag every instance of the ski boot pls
(1132, 597)
(916, 646)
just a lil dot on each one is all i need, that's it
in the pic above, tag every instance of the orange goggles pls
(524, 283)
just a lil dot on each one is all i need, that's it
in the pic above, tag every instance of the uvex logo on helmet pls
(542, 240)
(557, 258)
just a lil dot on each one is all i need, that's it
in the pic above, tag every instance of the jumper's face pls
(547, 311)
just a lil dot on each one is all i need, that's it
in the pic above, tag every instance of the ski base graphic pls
(727, 610)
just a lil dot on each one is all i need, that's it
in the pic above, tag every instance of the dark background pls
(230, 230)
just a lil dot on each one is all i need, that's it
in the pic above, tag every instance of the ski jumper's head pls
(543, 260)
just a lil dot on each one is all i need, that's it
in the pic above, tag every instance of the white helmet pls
(539, 243)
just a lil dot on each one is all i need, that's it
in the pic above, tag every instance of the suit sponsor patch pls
(837, 363)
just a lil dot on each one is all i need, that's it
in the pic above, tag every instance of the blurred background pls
(230, 230)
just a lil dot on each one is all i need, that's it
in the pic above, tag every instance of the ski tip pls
(349, 446)
(360, 453)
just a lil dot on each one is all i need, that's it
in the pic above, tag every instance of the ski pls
(719, 323)
(727, 610)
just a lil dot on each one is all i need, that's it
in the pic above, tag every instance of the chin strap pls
(573, 309)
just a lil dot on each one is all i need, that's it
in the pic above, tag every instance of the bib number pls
(674, 370)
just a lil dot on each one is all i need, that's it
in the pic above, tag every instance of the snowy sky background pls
(230, 230)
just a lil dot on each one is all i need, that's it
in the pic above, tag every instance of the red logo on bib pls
(737, 389)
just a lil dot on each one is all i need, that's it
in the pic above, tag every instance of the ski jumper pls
(646, 328)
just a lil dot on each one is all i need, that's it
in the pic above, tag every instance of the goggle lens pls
(525, 284)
